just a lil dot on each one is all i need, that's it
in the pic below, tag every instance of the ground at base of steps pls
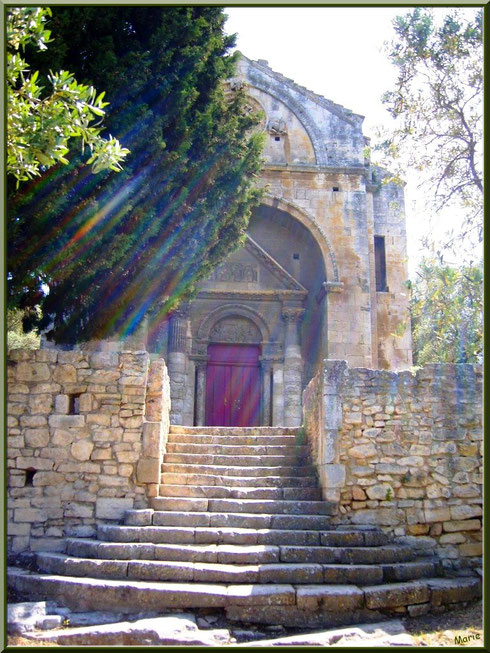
(209, 627)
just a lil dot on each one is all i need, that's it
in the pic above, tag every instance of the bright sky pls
(337, 53)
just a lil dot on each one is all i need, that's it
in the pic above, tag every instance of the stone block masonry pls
(86, 435)
(406, 454)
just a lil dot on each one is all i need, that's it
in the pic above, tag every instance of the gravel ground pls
(445, 629)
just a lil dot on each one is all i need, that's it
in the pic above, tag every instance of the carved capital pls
(292, 315)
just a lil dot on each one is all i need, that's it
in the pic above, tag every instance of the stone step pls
(235, 470)
(209, 535)
(274, 507)
(150, 517)
(290, 451)
(217, 479)
(302, 605)
(235, 440)
(242, 460)
(272, 431)
(223, 492)
(335, 560)
(236, 536)
(209, 572)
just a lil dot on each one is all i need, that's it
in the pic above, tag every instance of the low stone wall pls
(410, 446)
(86, 433)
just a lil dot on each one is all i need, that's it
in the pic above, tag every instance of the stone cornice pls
(359, 170)
(251, 295)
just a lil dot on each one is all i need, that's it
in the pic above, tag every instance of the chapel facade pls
(322, 273)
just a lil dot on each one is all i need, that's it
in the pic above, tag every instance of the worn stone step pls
(217, 553)
(239, 470)
(275, 507)
(226, 519)
(208, 535)
(223, 492)
(335, 571)
(347, 555)
(234, 459)
(236, 430)
(179, 571)
(217, 479)
(293, 451)
(260, 603)
(235, 440)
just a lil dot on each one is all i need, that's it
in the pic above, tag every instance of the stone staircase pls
(239, 525)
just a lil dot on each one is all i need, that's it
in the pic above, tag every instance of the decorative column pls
(293, 367)
(266, 366)
(200, 391)
(278, 395)
(176, 363)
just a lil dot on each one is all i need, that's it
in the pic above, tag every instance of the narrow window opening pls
(277, 138)
(74, 404)
(336, 189)
(30, 476)
(380, 263)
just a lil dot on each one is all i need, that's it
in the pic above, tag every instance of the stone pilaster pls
(266, 368)
(278, 395)
(177, 362)
(293, 367)
(200, 392)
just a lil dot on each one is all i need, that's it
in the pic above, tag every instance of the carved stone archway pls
(233, 324)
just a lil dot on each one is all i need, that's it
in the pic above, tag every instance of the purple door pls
(233, 385)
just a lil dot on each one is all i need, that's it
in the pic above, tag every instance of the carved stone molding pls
(237, 272)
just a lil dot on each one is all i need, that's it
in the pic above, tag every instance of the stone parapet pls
(410, 446)
(86, 433)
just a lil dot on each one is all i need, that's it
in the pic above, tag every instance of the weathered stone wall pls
(86, 433)
(411, 448)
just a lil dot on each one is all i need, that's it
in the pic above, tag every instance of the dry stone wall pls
(410, 446)
(86, 432)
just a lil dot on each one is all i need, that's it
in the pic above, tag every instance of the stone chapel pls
(322, 273)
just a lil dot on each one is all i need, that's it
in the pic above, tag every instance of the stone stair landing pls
(239, 525)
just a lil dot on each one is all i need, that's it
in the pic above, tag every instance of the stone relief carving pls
(277, 126)
(235, 330)
(237, 273)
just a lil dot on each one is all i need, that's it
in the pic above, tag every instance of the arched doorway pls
(233, 387)
(233, 383)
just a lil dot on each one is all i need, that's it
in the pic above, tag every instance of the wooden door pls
(233, 385)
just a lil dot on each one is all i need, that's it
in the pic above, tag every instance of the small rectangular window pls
(380, 263)
(74, 404)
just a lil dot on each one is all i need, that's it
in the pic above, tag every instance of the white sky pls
(337, 53)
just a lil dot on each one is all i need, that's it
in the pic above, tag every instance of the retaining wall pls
(86, 434)
(404, 453)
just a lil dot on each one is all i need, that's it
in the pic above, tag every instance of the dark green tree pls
(98, 252)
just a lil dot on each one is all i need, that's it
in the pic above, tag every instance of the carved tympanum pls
(235, 329)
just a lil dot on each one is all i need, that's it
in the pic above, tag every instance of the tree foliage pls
(41, 123)
(438, 104)
(446, 310)
(16, 337)
(112, 248)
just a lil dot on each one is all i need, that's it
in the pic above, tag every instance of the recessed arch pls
(329, 259)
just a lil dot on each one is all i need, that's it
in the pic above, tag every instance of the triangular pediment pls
(251, 268)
